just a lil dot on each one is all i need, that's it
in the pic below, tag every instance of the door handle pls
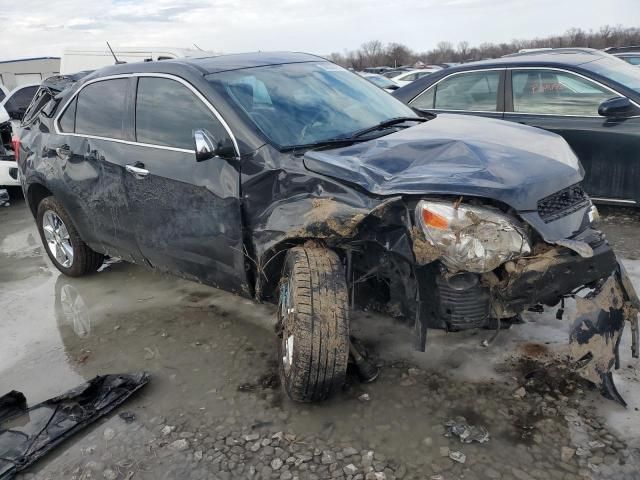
(63, 152)
(137, 169)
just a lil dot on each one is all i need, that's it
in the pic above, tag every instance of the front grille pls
(562, 203)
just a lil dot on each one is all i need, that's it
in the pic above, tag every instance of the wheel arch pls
(35, 194)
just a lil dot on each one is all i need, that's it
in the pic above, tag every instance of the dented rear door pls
(89, 157)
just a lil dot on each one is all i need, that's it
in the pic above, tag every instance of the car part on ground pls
(310, 178)
(28, 434)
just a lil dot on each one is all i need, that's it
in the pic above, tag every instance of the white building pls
(14, 73)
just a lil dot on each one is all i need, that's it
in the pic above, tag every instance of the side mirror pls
(617, 107)
(205, 145)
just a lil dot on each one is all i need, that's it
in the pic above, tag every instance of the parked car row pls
(393, 79)
(628, 54)
(381, 81)
(286, 178)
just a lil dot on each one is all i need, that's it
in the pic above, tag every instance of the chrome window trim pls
(451, 110)
(141, 144)
(616, 93)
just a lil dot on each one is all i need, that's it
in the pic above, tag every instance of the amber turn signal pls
(434, 220)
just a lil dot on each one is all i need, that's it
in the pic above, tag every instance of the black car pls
(286, 178)
(628, 54)
(589, 97)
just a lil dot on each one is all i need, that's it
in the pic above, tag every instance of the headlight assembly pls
(469, 238)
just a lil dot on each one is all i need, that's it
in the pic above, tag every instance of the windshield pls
(307, 103)
(617, 70)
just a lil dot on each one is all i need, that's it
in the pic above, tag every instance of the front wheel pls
(313, 324)
(62, 242)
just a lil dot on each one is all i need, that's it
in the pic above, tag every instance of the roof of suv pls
(207, 65)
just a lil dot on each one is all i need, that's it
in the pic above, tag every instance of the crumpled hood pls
(457, 154)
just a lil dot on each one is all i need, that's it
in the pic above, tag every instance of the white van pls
(79, 59)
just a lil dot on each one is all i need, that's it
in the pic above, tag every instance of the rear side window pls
(425, 99)
(167, 113)
(100, 109)
(2, 95)
(476, 91)
(68, 120)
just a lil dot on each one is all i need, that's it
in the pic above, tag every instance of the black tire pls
(84, 260)
(313, 350)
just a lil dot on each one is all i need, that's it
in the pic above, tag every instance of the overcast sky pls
(44, 28)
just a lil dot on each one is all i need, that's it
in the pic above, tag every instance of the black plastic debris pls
(28, 434)
(467, 433)
(128, 417)
(10, 402)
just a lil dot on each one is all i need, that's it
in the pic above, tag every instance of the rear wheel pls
(61, 240)
(313, 324)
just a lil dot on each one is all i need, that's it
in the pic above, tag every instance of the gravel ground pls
(214, 409)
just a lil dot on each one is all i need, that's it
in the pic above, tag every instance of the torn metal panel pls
(595, 335)
(550, 273)
(28, 434)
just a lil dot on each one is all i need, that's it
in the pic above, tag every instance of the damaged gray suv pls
(286, 178)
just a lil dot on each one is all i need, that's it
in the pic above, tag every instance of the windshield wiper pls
(331, 142)
(386, 124)
(354, 137)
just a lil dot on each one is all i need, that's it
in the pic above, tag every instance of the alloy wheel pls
(57, 238)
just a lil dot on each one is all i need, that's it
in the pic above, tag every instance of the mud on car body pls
(286, 178)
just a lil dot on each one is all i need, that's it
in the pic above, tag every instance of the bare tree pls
(463, 51)
(373, 53)
(397, 54)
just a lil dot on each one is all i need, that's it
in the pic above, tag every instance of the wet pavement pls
(214, 409)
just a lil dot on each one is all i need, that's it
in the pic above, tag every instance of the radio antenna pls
(118, 62)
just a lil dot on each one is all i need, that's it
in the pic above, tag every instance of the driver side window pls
(167, 113)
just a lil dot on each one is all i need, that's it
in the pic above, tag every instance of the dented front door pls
(186, 213)
(187, 216)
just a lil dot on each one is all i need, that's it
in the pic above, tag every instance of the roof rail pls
(553, 51)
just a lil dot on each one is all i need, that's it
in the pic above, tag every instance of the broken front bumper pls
(601, 315)
(597, 331)
(547, 276)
